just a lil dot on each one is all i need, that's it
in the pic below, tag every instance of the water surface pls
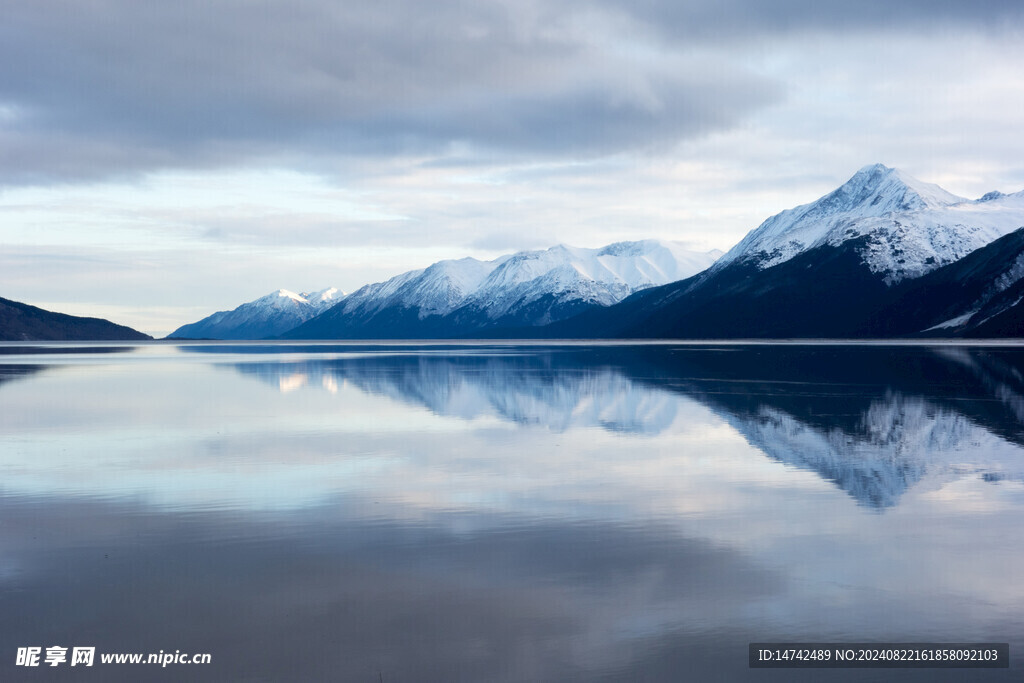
(507, 512)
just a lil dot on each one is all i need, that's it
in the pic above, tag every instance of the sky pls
(162, 161)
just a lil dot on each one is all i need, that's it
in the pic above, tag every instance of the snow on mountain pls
(325, 298)
(526, 288)
(596, 276)
(977, 296)
(909, 227)
(267, 316)
(435, 290)
(286, 300)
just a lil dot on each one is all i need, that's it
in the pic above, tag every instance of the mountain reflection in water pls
(872, 420)
(508, 512)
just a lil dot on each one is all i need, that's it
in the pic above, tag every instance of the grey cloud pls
(744, 19)
(119, 88)
(124, 87)
(602, 117)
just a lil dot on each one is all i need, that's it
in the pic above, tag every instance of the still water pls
(506, 512)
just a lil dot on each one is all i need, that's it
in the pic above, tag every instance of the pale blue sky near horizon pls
(162, 162)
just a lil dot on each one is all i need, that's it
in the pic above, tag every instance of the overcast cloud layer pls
(467, 127)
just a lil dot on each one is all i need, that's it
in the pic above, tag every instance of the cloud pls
(745, 19)
(312, 143)
(119, 87)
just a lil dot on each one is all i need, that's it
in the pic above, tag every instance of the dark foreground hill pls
(21, 322)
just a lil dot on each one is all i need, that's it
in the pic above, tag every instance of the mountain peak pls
(267, 316)
(875, 194)
(877, 190)
(286, 294)
(322, 297)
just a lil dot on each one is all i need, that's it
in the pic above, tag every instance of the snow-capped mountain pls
(911, 227)
(267, 316)
(435, 290)
(824, 269)
(858, 262)
(466, 296)
(572, 276)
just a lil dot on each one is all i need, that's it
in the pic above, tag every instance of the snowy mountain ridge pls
(908, 227)
(436, 290)
(601, 276)
(267, 316)
(525, 288)
(284, 298)
(528, 288)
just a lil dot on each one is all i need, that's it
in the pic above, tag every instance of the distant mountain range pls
(21, 322)
(884, 255)
(267, 316)
(465, 297)
(528, 289)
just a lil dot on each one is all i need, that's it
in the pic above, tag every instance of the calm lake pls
(506, 512)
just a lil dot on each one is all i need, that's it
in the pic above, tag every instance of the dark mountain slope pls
(977, 296)
(823, 292)
(21, 322)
